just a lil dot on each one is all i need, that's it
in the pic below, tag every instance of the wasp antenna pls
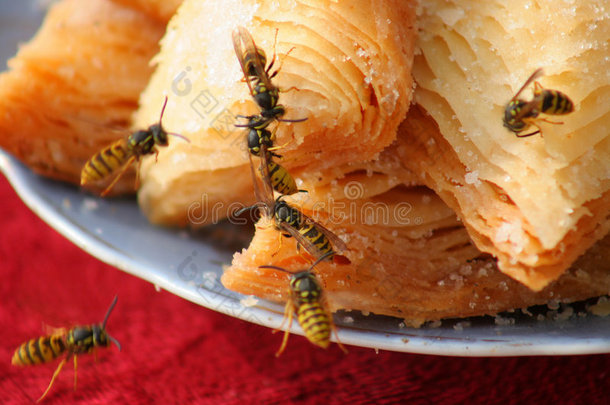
(116, 342)
(294, 120)
(179, 136)
(163, 110)
(275, 268)
(533, 77)
(249, 208)
(116, 297)
(274, 54)
(321, 259)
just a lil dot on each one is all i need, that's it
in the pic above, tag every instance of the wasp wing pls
(529, 106)
(262, 195)
(244, 45)
(120, 174)
(264, 170)
(301, 240)
(338, 245)
(533, 77)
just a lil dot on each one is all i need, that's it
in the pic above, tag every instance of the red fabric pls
(175, 352)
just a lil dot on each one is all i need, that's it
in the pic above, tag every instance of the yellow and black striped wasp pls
(315, 238)
(308, 304)
(520, 115)
(119, 155)
(260, 144)
(252, 60)
(78, 340)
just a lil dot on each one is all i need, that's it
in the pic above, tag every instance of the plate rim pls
(266, 314)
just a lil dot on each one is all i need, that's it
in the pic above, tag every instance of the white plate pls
(189, 265)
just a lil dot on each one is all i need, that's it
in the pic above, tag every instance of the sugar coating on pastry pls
(70, 91)
(349, 62)
(472, 59)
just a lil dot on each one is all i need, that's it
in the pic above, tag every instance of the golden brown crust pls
(347, 64)
(417, 273)
(409, 255)
(66, 95)
(425, 272)
(536, 203)
(161, 10)
(485, 207)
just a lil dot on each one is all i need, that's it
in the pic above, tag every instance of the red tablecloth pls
(175, 352)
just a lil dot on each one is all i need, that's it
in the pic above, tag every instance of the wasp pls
(119, 155)
(520, 114)
(260, 144)
(308, 304)
(317, 240)
(75, 341)
(253, 60)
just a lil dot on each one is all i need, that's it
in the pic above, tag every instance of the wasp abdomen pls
(281, 180)
(105, 162)
(317, 238)
(315, 323)
(39, 350)
(556, 103)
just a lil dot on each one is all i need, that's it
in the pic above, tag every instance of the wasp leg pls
(288, 313)
(531, 121)
(551, 122)
(343, 349)
(276, 148)
(55, 374)
(245, 116)
(280, 244)
(281, 63)
(270, 66)
(302, 255)
(118, 176)
(138, 173)
(538, 126)
(75, 368)
(272, 137)
(530, 134)
(291, 88)
(334, 328)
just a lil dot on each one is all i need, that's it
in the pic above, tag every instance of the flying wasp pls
(317, 240)
(119, 155)
(308, 304)
(75, 341)
(520, 114)
(253, 60)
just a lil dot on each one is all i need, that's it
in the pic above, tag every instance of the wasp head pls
(305, 286)
(286, 213)
(159, 135)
